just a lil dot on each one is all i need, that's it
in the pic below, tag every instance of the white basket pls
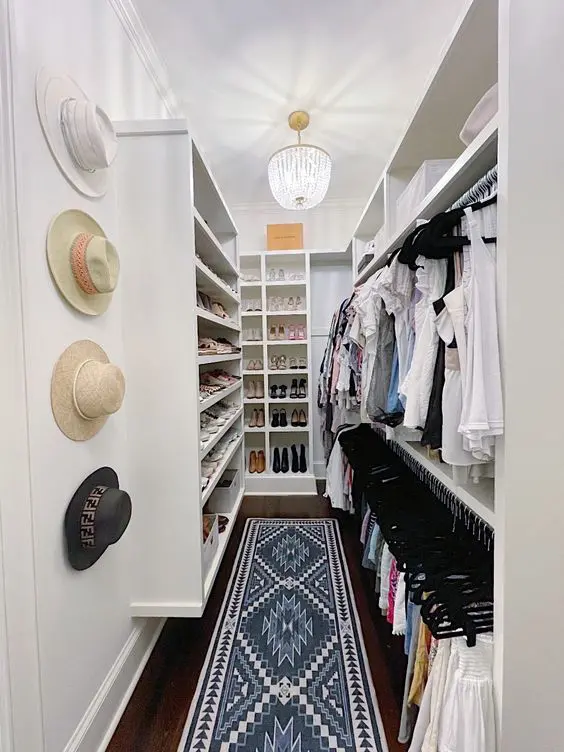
(424, 180)
(226, 491)
(210, 545)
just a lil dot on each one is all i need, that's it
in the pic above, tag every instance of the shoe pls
(272, 332)
(303, 464)
(251, 365)
(291, 304)
(273, 391)
(283, 389)
(259, 390)
(302, 420)
(253, 462)
(276, 461)
(281, 276)
(251, 390)
(291, 332)
(273, 363)
(282, 363)
(302, 394)
(295, 419)
(281, 332)
(285, 465)
(260, 418)
(302, 363)
(294, 389)
(295, 460)
(275, 422)
(293, 363)
(283, 419)
(253, 420)
(261, 461)
(258, 365)
(299, 303)
(301, 332)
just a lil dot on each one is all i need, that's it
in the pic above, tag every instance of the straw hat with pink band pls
(83, 262)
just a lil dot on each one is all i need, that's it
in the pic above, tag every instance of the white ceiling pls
(239, 67)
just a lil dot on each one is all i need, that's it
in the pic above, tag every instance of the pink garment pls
(364, 529)
(394, 576)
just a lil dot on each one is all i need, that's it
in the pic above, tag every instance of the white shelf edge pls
(208, 316)
(287, 283)
(250, 284)
(286, 313)
(286, 341)
(220, 434)
(251, 313)
(208, 490)
(210, 401)
(258, 401)
(206, 359)
(248, 429)
(287, 372)
(216, 281)
(222, 546)
(431, 203)
(289, 429)
(251, 342)
(199, 220)
(288, 400)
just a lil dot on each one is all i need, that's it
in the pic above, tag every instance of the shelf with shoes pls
(284, 313)
(215, 429)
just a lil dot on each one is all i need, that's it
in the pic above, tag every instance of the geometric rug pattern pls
(287, 669)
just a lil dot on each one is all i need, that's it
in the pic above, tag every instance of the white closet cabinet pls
(169, 209)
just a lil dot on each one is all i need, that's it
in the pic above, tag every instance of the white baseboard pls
(95, 730)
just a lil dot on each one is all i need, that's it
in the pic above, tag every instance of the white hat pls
(85, 390)
(83, 262)
(79, 133)
(480, 116)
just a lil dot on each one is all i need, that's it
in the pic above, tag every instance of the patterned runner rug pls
(286, 670)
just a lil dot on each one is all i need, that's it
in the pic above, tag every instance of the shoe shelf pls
(252, 342)
(216, 437)
(210, 249)
(221, 468)
(206, 359)
(204, 315)
(212, 285)
(222, 545)
(218, 396)
(268, 437)
(253, 401)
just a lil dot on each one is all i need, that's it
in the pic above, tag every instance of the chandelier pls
(299, 175)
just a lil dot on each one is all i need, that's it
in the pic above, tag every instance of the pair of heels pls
(279, 418)
(257, 419)
(274, 391)
(281, 460)
(255, 390)
(278, 362)
(257, 461)
(298, 392)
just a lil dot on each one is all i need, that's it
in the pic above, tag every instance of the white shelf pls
(251, 342)
(250, 284)
(478, 497)
(286, 313)
(217, 320)
(216, 437)
(211, 284)
(210, 249)
(253, 373)
(208, 490)
(222, 546)
(287, 372)
(469, 167)
(287, 283)
(255, 430)
(289, 429)
(257, 401)
(286, 341)
(218, 396)
(251, 313)
(288, 400)
(206, 359)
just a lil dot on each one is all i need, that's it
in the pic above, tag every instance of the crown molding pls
(335, 204)
(145, 48)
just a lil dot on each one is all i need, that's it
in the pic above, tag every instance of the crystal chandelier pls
(299, 175)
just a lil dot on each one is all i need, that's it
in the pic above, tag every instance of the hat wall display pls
(97, 516)
(83, 262)
(85, 390)
(80, 135)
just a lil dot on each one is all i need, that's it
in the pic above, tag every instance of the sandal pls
(282, 363)
(273, 391)
(302, 363)
(283, 390)
(273, 363)
(293, 363)
(291, 332)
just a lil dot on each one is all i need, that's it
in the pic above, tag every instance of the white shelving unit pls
(191, 224)
(269, 437)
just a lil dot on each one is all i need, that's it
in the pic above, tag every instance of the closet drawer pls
(424, 180)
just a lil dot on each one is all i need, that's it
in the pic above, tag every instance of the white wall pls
(89, 648)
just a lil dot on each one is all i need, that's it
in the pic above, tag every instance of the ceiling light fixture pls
(299, 175)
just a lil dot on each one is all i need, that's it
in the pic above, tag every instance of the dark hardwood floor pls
(155, 717)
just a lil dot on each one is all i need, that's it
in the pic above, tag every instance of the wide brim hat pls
(85, 390)
(97, 516)
(62, 230)
(51, 90)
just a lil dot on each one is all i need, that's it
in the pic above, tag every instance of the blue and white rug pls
(286, 670)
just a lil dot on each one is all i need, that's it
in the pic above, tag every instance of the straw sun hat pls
(80, 134)
(83, 262)
(85, 390)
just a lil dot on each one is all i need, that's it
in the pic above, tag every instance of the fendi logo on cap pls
(88, 516)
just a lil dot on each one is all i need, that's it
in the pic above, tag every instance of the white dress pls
(482, 407)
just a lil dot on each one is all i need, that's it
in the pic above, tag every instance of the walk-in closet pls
(281, 316)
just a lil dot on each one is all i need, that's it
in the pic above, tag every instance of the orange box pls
(285, 237)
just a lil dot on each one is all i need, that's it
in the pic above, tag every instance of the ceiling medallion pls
(299, 175)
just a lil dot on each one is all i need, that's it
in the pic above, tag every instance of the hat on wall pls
(85, 390)
(97, 516)
(80, 135)
(83, 262)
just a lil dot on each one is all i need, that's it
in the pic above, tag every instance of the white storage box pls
(209, 522)
(225, 493)
(424, 180)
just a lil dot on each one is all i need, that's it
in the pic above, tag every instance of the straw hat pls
(85, 390)
(80, 135)
(97, 516)
(83, 262)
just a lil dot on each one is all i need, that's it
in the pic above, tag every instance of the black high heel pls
(295, 461)
(283, 419)
(294, 389)
(285, 460)
(283, 389)
(275, 419)
(302, 420)
(276, 461)
(273, 390)
(302, 389)
(303, 463)
(295, 419)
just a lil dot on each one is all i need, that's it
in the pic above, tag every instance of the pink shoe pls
(291, 332)
(301, 332)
